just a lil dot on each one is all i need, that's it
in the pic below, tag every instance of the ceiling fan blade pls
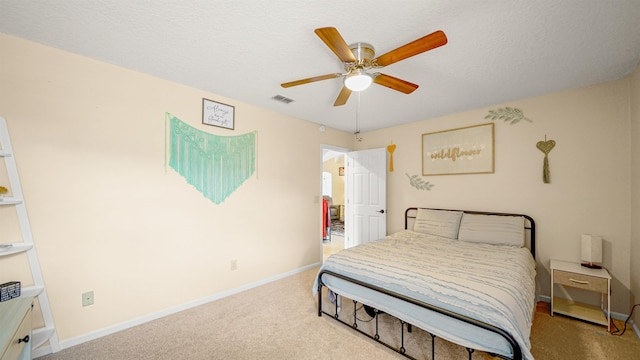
(336, 43)
(310, 80)
(395, 83)
(415, 47)
(343, 96)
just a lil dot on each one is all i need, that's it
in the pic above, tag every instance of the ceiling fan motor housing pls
(363, 53)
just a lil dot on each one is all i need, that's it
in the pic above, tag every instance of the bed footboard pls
(516, 350)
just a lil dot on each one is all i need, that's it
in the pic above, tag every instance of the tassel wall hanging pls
(391, 148)
(546, 147)
(215, 165)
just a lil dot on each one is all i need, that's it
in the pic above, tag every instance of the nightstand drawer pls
(20, 339)
(581, 281)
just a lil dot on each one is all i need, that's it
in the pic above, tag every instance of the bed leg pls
(319, 299)
(402, 348)
(355, 315)
(377, 336)
(433, 346)
(470, 353)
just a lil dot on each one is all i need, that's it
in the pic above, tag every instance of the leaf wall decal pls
(418, 183)
(508, 114)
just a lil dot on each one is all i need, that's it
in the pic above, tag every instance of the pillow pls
(438, 222)
(492, 229)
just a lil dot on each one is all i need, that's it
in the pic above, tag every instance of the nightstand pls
(15, 333)
(574, 275)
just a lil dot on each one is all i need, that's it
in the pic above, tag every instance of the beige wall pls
(106, 214)
(635, 190)
(590, 177)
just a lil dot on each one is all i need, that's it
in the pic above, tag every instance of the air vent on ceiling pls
(283, 99)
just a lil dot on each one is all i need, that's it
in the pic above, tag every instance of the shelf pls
(41, 335)
(10, 201)
(580, 311)
(15, 248)
(31, 291)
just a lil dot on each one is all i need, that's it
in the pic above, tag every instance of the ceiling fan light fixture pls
(358, 81)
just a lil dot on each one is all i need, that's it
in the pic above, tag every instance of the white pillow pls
(492, 229)
(438, 222)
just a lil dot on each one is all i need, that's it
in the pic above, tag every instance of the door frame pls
(344, 151)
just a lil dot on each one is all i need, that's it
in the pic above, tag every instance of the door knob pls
(381, 211)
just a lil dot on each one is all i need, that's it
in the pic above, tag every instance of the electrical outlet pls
(234, 264)
(87, 298)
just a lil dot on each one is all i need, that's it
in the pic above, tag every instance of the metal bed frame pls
(409, 214)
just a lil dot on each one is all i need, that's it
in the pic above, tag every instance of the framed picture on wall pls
(218, 114)
(467, 150)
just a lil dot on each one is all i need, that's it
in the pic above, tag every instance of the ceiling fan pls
(359, 62)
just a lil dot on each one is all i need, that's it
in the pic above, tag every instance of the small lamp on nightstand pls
(591, 251)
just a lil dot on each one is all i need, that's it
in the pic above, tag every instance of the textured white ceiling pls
(498, 50)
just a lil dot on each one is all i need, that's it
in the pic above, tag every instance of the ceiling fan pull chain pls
(357, 131)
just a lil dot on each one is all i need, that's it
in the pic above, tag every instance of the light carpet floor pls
(279, 321)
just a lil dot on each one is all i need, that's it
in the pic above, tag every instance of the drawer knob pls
(579, 281)
(24, 340)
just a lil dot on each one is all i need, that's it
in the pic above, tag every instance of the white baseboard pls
(44, 350)
(635, 328)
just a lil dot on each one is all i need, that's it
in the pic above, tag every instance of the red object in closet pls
(325, 217)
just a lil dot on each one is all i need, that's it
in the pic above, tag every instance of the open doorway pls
(333, 199)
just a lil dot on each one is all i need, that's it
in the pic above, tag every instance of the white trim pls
(44, 350)
(635, 328)
(344, 152)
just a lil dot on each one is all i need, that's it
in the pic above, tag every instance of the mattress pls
(494, 284)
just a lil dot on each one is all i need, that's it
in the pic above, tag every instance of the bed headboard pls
(529, 223)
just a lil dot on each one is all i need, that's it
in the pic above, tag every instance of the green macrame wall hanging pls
(546, 146)
(215, 165)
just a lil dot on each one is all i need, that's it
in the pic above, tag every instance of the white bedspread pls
(491, 283)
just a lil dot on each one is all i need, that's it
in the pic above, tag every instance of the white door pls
(366, 204)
